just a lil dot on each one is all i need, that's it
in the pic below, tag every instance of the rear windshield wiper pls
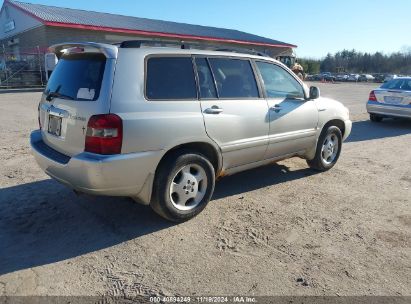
(50, 96)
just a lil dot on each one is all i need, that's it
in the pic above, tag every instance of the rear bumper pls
(388, 110)
(117, 175)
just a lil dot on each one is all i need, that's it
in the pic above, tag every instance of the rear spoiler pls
(110, 51)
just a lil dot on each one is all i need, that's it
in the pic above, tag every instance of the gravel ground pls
(277, 230)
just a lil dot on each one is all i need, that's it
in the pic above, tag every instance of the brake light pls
(104, 134)
(372, 97)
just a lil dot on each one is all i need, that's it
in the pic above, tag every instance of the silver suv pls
(161, 124)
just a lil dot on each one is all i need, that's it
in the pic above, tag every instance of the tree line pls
(357, 62)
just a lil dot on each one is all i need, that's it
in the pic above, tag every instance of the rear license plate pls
(392, 99)
(54, 125)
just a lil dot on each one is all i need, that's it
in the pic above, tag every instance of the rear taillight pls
(104, 134)
(372, 97)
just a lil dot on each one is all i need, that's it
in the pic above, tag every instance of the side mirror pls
(314, 92)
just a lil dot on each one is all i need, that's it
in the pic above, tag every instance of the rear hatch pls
(79, 87)
(395, 92)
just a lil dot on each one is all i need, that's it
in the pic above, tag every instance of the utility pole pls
(41, 72)
(5, 66)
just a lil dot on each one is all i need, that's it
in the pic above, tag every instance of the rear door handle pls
(213, 110)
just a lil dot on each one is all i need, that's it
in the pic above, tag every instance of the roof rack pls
(184, 45)
(140, 43)
(245, 51)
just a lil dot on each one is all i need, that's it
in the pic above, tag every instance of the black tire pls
(319, 163)
(375, 118)
(162, 201)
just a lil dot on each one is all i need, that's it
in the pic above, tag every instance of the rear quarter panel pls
(151, 125)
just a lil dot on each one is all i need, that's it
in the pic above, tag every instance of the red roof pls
(88, 20)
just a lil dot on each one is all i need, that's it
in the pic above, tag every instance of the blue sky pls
(316, 26)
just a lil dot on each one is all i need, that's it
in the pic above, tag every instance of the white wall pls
(22, 21)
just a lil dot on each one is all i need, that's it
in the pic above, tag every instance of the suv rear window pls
(170, 78)
(78, 76)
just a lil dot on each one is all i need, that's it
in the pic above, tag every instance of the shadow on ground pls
(44, 222)
(257, 178)
(367, 130)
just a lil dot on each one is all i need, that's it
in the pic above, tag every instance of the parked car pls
(310, 77)
(353, 77)
(327, 76)
(163, 131)
(366, 78)
(379, 77)
(341, 77)
(317, 77)
(392, 99)
(390, 77)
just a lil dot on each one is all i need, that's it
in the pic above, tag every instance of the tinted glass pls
(278, 83)
(398, 84)
(234, 78)
(170, 78)
(205, 79)
(78, 76)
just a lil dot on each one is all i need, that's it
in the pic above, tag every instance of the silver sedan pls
(392, 99)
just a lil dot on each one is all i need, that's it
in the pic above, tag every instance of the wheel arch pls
(339, 123)
(206, 149)
(210, 151)
(157, 201)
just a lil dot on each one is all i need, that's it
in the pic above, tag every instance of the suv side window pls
(234, 78)
(278, 83)
(205, 79)
(170, 78)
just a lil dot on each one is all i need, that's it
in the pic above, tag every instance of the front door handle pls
(277, 108)
(213, 110)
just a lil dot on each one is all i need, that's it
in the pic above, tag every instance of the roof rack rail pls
(139, 43)
(251, 52)
(184, 45)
